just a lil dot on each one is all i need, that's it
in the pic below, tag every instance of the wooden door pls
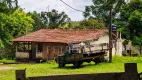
(49, 52)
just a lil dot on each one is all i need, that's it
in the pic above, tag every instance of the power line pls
(71, 6)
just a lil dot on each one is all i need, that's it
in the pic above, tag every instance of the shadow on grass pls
(69, 66)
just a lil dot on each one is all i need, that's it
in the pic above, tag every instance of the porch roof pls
(61, 36)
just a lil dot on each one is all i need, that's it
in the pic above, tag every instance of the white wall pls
(21, 55)
(119, 47)
(39, 55)
(26, 55)
(102, 39)
(105, 39)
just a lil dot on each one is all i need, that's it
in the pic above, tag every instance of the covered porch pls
(28, 51)
(37, 51)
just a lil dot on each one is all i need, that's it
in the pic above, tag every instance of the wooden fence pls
(130, 73)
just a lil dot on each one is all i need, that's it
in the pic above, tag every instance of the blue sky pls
(42, 5)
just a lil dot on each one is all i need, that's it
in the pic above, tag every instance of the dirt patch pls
(6, 68)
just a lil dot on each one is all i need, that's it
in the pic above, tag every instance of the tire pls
(102, 59)
(77, 64)
(60, 65)
(97, 61)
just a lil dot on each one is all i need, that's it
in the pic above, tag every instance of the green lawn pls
(51, 68)
(5, 60)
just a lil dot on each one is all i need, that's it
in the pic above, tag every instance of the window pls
(24, 46)
(40, 47)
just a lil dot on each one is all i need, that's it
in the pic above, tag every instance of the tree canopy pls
(49, 20)
(8, 6)
(88, 24)
(131, 19)
(101, 9)
(14, 25)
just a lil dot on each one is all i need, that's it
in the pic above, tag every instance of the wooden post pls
(110, 35)
(20, 75)
(131, 72)
(90, 48)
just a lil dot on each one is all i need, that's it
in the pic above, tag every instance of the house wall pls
(117, 46)
(51, 50)
(39, 55)
(48, 52)
(102, 39)
(22, 55)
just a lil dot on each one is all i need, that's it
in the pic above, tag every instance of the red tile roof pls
(61, 36)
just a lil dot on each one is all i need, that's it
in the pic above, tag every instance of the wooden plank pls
(101, 76)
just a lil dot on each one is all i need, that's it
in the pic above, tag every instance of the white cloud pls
(41, 5)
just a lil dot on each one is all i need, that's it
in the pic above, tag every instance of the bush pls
(8, 52)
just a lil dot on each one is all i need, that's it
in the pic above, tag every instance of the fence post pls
(131, 72)
(20, 75)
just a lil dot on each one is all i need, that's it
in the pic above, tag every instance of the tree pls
(37, 20)
(13, 23)
(135, 24)
(55, 19)
(12, 26)
(131, 19)
(135, 27)
(101, 9)
(8, 6)
(50, 20)
(89, 24)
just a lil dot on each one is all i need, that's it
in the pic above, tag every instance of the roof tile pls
(61, 36)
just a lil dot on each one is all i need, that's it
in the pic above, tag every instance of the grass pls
(6, 60)
(51, 68)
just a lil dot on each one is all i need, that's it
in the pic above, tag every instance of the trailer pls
(78, 55)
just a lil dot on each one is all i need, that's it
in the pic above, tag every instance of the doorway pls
(32, 54)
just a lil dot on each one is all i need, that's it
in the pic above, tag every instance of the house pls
(45, 44)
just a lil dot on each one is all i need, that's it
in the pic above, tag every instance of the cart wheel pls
(97, 60)
(61, 65)
(77, 64)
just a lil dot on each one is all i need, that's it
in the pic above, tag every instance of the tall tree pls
(50, 20)
(131, 21)
(135, 28)
(37, 20)
(14, 25)
(55, 19)
(8, 6)
(101, 9)
(131, 17)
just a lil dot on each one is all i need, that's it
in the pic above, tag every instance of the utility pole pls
(110, 36)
